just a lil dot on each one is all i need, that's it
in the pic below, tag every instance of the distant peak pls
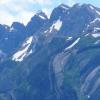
(64, 6)
(87, 5)
(76, 5)
(41, 14)
(17, 25)
(83, 5)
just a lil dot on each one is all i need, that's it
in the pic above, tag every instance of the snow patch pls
(12, 29)
(96, 35)
(30, 52)
(73, 44)
(97, 42)
(87, 34)
(42, 17)
(96, 29)
(57, 25)
(28, 41)
(92, 7)
(21, 54)
(98, 12)
(64, 7)
(69, 38)
(95, 20)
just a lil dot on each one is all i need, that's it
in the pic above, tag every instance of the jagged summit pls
(89, 7)
(17, 25)
(59, 11)
(41, 14)
(64, 6)
(37, 21)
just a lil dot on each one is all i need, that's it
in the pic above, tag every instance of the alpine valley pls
(56, 58)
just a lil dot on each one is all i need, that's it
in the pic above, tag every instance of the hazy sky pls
(23, 10)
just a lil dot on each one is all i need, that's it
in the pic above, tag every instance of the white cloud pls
(71, 2)
(4, 1)
(24, 17)
(6, 18)
(18, 10)
(47, 11)
(13, 10)
(46, 2)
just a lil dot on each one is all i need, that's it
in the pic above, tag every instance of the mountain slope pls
(53, 59)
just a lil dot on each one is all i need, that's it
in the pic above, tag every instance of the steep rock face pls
(59, 12)
(14, 35)
(12, 38)
(37, 22)
(57, 60)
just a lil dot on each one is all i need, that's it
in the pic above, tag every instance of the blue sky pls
(23, 10)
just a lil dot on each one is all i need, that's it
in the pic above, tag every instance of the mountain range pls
(56, 58)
